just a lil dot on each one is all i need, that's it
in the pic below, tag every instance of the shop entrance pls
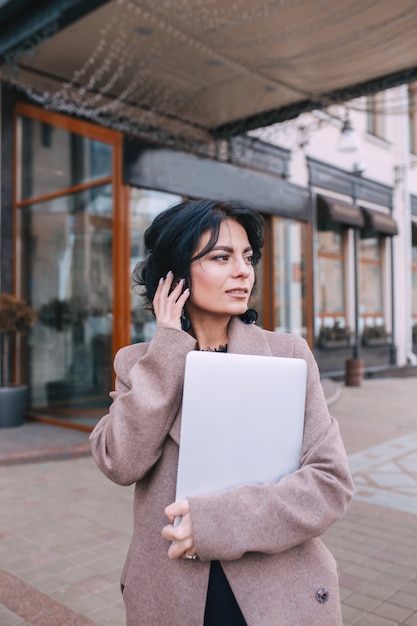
(66, 203)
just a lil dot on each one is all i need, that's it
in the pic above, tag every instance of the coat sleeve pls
(302, 505)
(128, 441)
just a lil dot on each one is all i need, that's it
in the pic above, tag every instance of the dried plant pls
(15, 314)
(16, 317)
(375, 332)
(337, 332)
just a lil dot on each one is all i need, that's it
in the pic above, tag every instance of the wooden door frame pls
(120, 217)
(269, 278)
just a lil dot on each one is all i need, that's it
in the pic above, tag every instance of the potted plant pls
(336, 336)
(375, 336)
(16, 317)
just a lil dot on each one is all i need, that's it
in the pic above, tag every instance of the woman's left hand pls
(181, 536)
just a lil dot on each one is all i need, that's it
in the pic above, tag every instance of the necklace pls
(222, 348)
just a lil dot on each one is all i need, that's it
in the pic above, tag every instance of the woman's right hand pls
(168, 302)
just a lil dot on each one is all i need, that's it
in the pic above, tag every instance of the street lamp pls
(348, 140)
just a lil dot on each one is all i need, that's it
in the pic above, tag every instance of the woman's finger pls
(180, 549)
(164, 286)
(181, 535)
(177, 509)
(169, 301)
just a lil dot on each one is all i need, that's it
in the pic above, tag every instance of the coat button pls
(322, 595)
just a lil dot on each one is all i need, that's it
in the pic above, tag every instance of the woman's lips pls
(237, 293)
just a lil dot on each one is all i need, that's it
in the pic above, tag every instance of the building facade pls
(365, 225)
(340, 260)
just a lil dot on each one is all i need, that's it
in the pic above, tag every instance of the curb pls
(45, 454)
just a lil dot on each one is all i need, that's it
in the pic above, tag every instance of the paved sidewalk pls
(36, 441)
(375, 544)
(65, 529)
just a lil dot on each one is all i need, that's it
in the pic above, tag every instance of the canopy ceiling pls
(204, 68)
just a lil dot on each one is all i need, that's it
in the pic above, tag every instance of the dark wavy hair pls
(172, 238)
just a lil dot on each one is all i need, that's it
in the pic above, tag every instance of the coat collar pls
(247, 339)
(242, 339)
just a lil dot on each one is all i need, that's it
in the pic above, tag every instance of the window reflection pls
(289, 242)
(330, 293)
(145, 205)
(53, 159)
(414, 293)
(67, 276)
(414, 290)
(370, 280)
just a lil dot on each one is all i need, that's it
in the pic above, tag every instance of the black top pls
(222, 608)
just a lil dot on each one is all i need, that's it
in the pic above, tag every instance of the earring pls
(249, 317)
(185, 321)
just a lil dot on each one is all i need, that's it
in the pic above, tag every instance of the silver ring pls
(191, 556)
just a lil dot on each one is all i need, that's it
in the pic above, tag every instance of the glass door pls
(66, 201)
(290, 252)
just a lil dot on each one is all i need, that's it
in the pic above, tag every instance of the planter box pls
(376, 341)
(334, 344)
(13, 404)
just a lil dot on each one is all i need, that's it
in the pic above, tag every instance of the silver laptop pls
(242, 421)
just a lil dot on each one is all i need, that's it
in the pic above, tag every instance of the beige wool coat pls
(266, 537)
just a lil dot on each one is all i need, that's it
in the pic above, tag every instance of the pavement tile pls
(94, 584)
(411, 587)
(411, 621)
(36, 607)
(110, 616)
(350, 614)
(377, 590)
(348, 581)
(405, 600)
(8, 618)
(405, 571)
(392, 611)
(377, 564)
(362, 601)
(370, 619)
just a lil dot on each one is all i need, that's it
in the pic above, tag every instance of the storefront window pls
(257, 298)
(67, 274)
(370, 282)
(145, 205)
(289, 258)
(53, 159)
(330, 292)
(66, 245)
(414, 291)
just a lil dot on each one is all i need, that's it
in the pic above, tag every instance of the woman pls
(251, 555)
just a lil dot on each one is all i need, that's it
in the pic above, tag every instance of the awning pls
(379, 222)
(204, 69)
(414, 233)
(329, 209)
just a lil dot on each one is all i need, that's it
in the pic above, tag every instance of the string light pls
(120, 82)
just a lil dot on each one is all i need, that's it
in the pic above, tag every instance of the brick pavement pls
(64, 528)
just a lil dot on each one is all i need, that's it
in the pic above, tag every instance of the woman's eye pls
(221, 257)
(249, 260)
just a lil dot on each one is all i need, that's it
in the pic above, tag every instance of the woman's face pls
(223, 279)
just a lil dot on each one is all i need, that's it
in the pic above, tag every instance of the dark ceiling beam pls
(338, 96)
(24, 24)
